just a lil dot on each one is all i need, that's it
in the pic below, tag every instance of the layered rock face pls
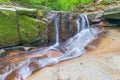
(113, 16)
(33, 26)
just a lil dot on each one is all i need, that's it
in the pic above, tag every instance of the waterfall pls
(82, 22)
(54, 17)
(71, 48)
(74, 47)
(56, 25)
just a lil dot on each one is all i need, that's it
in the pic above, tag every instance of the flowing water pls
(56, 24)
(71, 48)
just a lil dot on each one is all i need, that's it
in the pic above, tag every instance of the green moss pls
(28, 29)
(28, 12)
(42, 35)
(8, 28)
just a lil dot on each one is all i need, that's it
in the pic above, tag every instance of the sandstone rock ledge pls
(99, 64)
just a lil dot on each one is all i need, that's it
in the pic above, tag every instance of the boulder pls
(113, 13)
(113, 16)
(2, 53)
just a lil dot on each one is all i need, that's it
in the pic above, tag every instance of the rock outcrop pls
(28, 26)
(31, 26)
(113, 16)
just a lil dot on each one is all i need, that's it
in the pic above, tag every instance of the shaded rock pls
(30, 29)
(113, 13)
(113, 16)
(18, 48)
(42, 34)
(2, 53)
(43, 29)
(8, 27)
(113, 22)
(65, 25)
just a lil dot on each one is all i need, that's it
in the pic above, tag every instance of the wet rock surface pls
(101, 63)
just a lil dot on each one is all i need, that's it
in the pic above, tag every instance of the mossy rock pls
(8, 28)
(31, 29)
(41, 14)
(43, 32)
(26, 11)
(28, 29)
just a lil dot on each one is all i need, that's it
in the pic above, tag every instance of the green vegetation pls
(68, 5)
(49, 4)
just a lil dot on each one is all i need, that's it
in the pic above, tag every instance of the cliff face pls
(101, 63)
(25, 26)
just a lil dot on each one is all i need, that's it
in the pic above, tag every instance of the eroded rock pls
(101, 63)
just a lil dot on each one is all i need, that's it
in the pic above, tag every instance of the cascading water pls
(56, 23)
(82, 22)
(54, 17)
(72, 48)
